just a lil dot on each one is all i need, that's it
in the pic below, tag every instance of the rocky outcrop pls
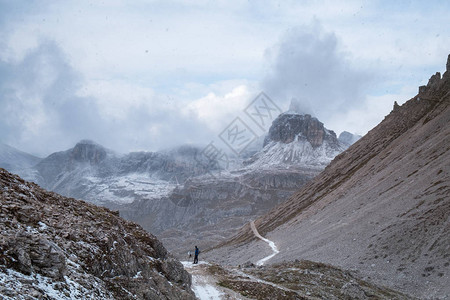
(52, 246)
(297, 141)
(290, 127)
(88, 151)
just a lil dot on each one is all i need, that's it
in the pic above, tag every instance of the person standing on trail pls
(196, 253)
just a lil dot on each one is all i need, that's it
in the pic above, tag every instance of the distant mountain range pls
(206, 209)
(175, 194)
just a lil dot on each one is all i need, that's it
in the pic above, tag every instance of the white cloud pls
(215, 110)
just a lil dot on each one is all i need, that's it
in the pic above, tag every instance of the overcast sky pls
(155, 74)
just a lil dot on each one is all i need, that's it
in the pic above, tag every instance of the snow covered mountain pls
(91, 172)
(207, 209)
(298, 141)
(18, 162)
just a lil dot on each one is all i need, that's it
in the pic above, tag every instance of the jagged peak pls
(89, 151)
(288, 126)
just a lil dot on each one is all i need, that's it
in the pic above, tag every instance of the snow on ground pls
(203, 285)
(271, 244)
(128, 188)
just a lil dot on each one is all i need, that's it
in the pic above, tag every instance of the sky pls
(151, 75)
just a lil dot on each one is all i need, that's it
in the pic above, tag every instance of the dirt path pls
(204, 285)
(271, 244)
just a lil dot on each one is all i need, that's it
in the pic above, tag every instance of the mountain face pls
(17, 161)
(91, 172)
(380, 208)
(206, 209)
(298, 141)
(292, 126)
(52, 247)
(348, 138)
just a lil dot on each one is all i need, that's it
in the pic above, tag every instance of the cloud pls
(39, 106)
(48, 106)
(308, 65)
(213, 109)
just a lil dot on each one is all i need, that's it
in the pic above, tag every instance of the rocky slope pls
(305, 280)
(52, 247)
(381, 207)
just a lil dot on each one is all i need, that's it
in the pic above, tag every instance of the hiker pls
(190, 254)
(196, 253)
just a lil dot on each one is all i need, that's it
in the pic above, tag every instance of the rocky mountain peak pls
(447, 72)
(88, 151)
(289, 127)
(348, 138)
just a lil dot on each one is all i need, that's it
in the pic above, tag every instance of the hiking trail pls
(271, 244)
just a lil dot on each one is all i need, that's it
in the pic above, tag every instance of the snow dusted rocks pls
(93, 173)
(57, 247)
(297, 141)
(289, 127)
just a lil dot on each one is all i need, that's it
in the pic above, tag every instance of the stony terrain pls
(53, 247)
(289, 280)
(381, 207)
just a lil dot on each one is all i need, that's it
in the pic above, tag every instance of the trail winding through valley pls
(271, 244)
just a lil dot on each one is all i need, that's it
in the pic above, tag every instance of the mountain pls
(348, 138)
(180, 196)
(91, 172)
(380, 208)
(299, 141)
(17, 162)
(52, 247)
(206, 209)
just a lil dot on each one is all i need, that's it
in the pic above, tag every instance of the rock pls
(434, 80)
(88, 151)
(248, 264)
(109, 258)
(289, 127)
(175, 271)
(447, 72)
(353, 291)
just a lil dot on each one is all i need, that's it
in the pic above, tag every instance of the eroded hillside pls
(381, 207)
(57, 247)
